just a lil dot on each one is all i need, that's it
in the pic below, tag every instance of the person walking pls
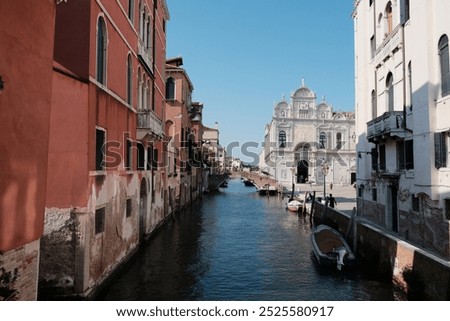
(332, 201)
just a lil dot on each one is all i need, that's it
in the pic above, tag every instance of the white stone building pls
(305, 136)
(403, 118)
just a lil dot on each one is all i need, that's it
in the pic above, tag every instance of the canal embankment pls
(415, 271)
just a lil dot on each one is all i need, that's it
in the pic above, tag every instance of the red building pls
(184, 128)
(26, 51)
(106, 179)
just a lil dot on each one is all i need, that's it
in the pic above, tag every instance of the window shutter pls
(440, 150)
(402, 12)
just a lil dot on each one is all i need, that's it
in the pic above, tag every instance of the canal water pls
(237, 245)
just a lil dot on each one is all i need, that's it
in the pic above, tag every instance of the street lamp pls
(325, 170)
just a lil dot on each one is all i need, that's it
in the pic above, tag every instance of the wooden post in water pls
(355, 228)
(311, 213)
(304, 205)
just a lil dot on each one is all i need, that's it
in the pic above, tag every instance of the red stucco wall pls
(26, 51)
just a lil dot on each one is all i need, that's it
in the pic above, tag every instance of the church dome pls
(282, 105)
(304, 92)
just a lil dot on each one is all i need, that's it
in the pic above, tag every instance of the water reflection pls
(237, 245)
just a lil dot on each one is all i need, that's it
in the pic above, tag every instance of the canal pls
(237, 245)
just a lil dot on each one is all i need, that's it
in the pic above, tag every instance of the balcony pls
(148, 124)
(390, 45)
(144, 55)
(390, 124)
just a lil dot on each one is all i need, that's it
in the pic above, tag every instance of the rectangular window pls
(100, 220)
(374, 155)
(128, 154)
(141, 157)
(409, 154)
(374, 194)
(382, 157)
(155, 159)
(99, 149)
(129, 207)
(440, 150)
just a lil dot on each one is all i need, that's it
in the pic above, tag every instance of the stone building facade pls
(402, 93)
(307, 141)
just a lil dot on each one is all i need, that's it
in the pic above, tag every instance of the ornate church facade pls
(308, 142)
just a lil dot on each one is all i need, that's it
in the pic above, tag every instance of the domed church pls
(307, 141)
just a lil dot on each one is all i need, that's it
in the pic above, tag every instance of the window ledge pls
(97, 173)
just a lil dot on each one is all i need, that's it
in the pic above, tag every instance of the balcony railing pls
(392, 43)
(148, 123)
(389, 124)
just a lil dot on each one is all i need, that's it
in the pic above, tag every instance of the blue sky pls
(243, 55)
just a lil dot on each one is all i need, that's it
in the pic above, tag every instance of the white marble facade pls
(303, 135)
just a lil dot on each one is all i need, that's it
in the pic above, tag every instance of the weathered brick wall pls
(427, 228)
(19, 273)
(373, 211)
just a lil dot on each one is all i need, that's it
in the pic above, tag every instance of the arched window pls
(101, 51)
(444, 64)
(374, 104)
(390, 92)
(150, 104)
(322, 140)
(131, 10)
(139, 89)
(389, 18)
(282, 138)
(129, 80)
(338, 141)
(170, 89)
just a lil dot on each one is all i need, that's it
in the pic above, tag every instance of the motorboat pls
(294, 205)
(330, 248)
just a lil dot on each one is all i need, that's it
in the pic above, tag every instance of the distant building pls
(305, 136)
(184, 134)
(403, 118)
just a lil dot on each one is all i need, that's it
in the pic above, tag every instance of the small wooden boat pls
(248, 182)
(294, 205)
(330, 248)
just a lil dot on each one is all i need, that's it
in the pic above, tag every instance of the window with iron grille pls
(129, 207)
(100, 220)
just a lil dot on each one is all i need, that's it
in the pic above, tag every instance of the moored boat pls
(330, 248)
(294, 205)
